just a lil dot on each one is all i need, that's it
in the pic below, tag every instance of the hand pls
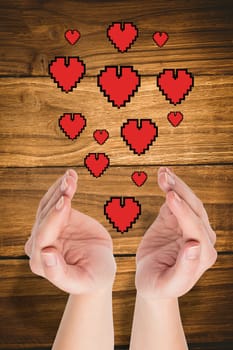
(81, 245)
(179, 245)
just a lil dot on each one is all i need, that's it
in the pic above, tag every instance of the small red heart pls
(175, 86)
(72, 36)
(139, 138)
(66, 75)
(118, 88)
(122, 216)
(72, 124)
(160, 38)
(101, 136)
(122, 35)
(175, 118)
(139, 177)
(96, 163)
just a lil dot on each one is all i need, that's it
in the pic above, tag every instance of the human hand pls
(181, 229)
(81, 245)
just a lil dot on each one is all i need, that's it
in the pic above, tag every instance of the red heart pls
(175, 118)
(96, 163)
(139, 138)
(72, 124)
(122, 35)
(101, 136)
(160, 38)
(175, 87)
(72, 36)
(122, 216)
(118, 88)
(139, 177)
(67, 76)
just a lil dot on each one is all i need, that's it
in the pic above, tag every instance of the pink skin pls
(163, 271)
(83, 247)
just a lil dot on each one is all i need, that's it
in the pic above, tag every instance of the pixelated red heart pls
(175, 86)
(175, 118)
(72, 36)
(139, 177)
(122, 35)
(139, 137)
(96, 163)
(160, 38)
(118, 88)
(101, 136)
(122, 215)
(72, 124)
(67, 76)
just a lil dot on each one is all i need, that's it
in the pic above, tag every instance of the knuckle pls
(34, 267)
(211, 258)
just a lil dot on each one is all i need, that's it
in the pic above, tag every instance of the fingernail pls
(169, 179)
(49, 259)
(60, 203)
(176, 197)
(193, 252)
(64, 184)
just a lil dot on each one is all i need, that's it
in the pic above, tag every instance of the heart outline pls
(160, 34)
(104, 138)
(57, 60)
(90, 156)
(173, 122)
(72, 32)
(153, 139)
(70, 118)
(138, 174)
(175, 74)
(119, 199)
(108, 69)
(113, 26)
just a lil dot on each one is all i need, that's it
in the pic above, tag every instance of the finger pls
(68, 187)
(49, 230)
(167, 181)
(191, 224)
(197, 253)
(53, 189)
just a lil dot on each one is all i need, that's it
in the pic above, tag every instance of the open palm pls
(181, 227)
(82, 246)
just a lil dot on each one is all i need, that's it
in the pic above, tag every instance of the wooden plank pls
(31, 107)
(200, 35)
(22, 189)
(31, 307)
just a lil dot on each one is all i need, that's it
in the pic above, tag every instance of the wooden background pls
(34, 151)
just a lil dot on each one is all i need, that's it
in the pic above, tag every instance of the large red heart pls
(122, 215)
(139, 177)
(122, 35)
(96, 163)
(72, 36)
(67, 76)
(175, 86)
(139, 138)
(101, 136)
(160, 38)
(118, 88)
(72, 125)
(175, 118)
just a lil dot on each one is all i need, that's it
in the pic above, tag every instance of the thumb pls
(54, 265)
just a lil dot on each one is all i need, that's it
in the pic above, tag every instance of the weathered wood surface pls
(31, 136)
(22, 190)
(34, 152)
(31, 307)
(200, 35)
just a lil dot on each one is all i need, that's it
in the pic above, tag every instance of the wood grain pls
(34, 152)
(22, 190)
(25, 296)
(200, 35)
(30, 134)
